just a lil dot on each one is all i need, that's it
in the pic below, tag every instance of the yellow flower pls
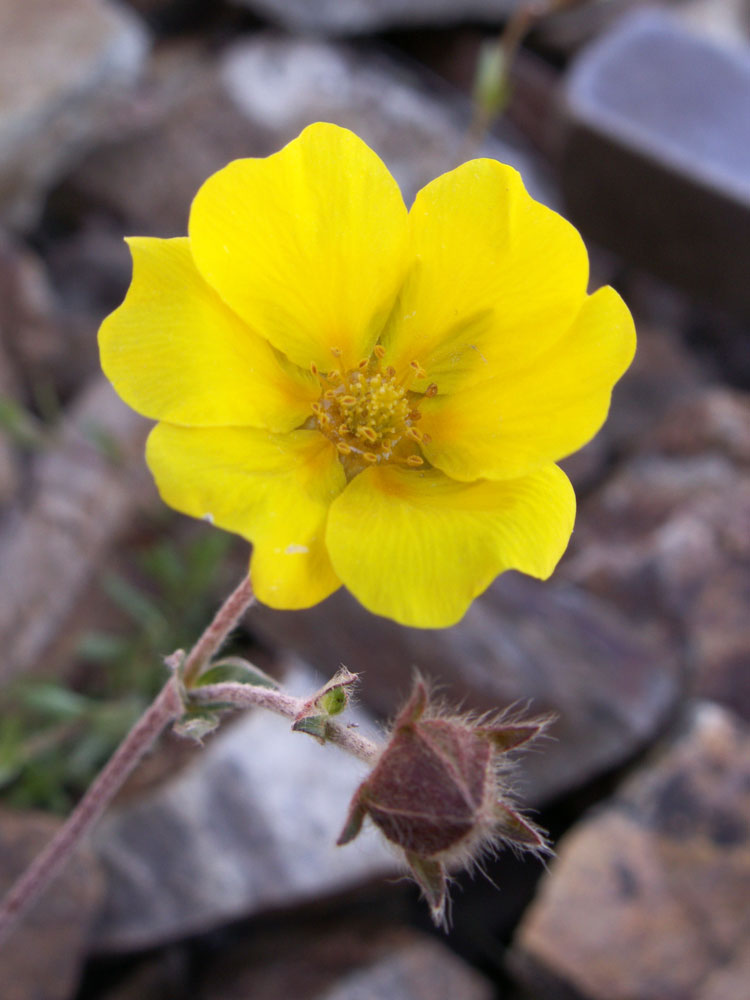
(371, 396)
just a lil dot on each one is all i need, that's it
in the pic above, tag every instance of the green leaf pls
(102, 647)
(234, 668)
(136, 605)
(55, 701)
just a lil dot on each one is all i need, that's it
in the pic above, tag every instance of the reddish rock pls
(648, 896)
(42, 959)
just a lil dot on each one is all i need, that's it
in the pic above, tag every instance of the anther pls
(390, 371)
(431, 390)
(369, 433)
(347, 400)
(313, 368)
(414, 433)
(379, 351)
(363, 363)
(336, 352)
(426, 438)
(343, 448)
(370, 456)
(414, 460)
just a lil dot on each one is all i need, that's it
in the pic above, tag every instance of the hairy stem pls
(226, 618)
(246, 695)
(167, 707)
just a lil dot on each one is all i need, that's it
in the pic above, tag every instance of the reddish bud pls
(437, 792)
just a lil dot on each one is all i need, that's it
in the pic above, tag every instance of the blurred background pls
(215, 877)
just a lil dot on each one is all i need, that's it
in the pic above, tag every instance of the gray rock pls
(81, 494)
(550, 646)
(63, 67)
(648, 896)
(725, 20)
(43, 958)
(668, 537)
(350, 17)
(662, 374)
(353, 958)
(657, 160)
(199, 114)
(251, 825)
(418, 970)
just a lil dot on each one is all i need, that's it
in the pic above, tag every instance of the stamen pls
(368, 413)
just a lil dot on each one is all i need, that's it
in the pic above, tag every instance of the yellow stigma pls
(369, 413)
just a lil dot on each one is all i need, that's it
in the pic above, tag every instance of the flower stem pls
(166, 708)
(226, 618)
(247, 695)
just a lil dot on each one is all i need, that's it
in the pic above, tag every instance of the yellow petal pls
(419, 547)
(306, 245)
(273, 489)
(497, 277)
(175, 352)
(509, 425)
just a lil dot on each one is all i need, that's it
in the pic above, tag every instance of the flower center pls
(370, 414)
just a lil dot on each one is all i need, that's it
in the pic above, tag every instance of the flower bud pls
(437, 792)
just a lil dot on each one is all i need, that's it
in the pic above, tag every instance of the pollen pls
(369, 413)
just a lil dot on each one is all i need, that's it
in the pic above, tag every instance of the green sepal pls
(196, 724)
(353, 824)
(333, 701)
(431, 878)
(234, 668)
(313, 725)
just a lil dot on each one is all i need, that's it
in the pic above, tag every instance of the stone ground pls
(207, 881)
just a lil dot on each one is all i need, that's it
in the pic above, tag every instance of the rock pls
(345, 17)
(44, 956)
(82, 493)
(64, 65)
(195, 114)
(355, 958)
(725, 20)
(34, 329)
(657, 162)
(251, 825)
(669, 536)
(546, 645)
(663, 373)
(648, 895)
